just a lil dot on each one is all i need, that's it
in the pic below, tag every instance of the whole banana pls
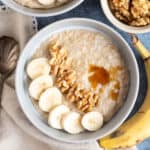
(137, 128)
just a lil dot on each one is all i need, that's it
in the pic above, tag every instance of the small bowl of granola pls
(129, 16)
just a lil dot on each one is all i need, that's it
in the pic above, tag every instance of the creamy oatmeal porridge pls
(90, 74)
(42, 4)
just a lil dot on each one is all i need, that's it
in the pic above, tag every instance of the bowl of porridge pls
(77, 80)
(129, 16)
(42, 8)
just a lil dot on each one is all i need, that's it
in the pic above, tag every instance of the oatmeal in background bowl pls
(42, 8)
(42, 4)
(87, 76)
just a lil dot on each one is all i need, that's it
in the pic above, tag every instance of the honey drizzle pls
(114, 71)
(99, 76)
(115, 92)
(114, 95)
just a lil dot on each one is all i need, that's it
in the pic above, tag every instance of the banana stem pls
(140, 47)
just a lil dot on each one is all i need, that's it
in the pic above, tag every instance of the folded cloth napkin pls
(16, 132)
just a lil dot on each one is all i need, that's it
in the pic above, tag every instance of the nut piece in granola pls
(131, 12)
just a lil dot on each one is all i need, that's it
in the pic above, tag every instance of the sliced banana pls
(71, 123)
(38, 67)
(40, 84)
(46, 2)
(92, 121)
(56, 115)
(50, 99)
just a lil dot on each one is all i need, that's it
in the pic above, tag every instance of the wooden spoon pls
(9, 52)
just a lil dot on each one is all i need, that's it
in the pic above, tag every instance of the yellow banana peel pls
(137, 128)
(143, 51)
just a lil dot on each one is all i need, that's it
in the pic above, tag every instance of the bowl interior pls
(110, 16)
(22, 86)
(42, 12)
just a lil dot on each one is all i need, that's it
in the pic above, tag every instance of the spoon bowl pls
(9, 53)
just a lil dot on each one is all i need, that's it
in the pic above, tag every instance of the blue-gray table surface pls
(92, 9)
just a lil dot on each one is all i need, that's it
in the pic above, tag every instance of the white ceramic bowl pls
(22, 85)
(42, 12)
(130, 29)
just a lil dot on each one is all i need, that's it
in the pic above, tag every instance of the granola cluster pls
(131, 12)
(66, 80)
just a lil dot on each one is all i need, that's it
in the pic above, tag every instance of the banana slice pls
(71, 123)
(40, 84)
(46, 2)
(50, 99)
(38, 67)
(56, 115)
(92, 121)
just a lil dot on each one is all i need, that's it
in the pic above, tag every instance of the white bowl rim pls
(19, 8)
(20, 99)
(110, 16)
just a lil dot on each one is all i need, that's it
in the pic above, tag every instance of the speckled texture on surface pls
(91, 9)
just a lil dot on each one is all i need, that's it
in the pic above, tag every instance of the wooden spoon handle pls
(1, 88)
